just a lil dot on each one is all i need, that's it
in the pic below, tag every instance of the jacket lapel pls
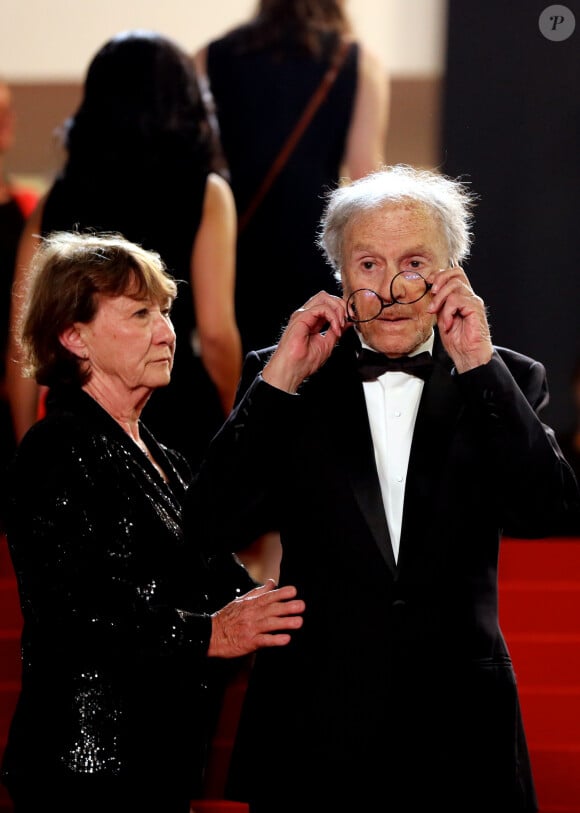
(358, 457)
(439, 412)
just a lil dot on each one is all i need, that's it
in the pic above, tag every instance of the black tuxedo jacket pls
(399, 687)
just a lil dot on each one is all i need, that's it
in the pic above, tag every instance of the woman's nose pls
(164, 329)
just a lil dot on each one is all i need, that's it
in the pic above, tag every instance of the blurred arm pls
(366, 140)
(213, 287)
(23, 393)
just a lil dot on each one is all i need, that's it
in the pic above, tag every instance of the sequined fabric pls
(115, 605)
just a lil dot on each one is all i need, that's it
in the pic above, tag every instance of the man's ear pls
(74, 343)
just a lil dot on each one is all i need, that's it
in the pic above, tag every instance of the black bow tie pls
(371, 365)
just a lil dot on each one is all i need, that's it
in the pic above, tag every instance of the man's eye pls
(368, 264)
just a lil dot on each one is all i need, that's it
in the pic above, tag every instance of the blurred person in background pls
(16, 204)
(261, 75)
(141, 160)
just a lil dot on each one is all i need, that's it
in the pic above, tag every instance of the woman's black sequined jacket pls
(115, 604)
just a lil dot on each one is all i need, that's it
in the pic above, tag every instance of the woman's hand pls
(255, 620)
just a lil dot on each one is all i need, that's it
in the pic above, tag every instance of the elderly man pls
(392, 444)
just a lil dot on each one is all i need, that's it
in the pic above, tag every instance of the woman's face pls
(130, 344)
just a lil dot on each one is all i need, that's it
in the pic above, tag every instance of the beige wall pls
(53, 42)
(41, 108)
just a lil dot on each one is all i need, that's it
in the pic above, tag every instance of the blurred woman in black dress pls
(260, 76)
(142, 160)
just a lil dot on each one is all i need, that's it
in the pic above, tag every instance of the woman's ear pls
(71, 339)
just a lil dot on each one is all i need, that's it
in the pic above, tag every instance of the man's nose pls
(385, 289)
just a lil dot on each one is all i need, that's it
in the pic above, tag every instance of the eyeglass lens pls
(407, 287)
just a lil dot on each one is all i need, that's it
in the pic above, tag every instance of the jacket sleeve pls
(506, 397)
(73, 533)
(233, 498)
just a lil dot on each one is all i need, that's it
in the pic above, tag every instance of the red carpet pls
(540, 618)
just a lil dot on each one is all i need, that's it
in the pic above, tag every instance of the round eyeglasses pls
(407, 287)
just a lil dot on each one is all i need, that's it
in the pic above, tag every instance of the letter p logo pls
(557, 23)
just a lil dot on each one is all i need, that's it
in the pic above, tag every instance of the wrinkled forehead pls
(405, 210)
(406, 221)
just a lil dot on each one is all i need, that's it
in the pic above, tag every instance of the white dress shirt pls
(392, 404)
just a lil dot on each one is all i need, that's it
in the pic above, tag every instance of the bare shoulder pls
(218, 192)
(371, 66)
(219, 204)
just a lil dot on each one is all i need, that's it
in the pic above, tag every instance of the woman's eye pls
(368, 265)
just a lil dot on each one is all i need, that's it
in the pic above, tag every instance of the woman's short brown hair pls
(68, 272)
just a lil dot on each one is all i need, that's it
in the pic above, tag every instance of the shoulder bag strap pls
(313, 104)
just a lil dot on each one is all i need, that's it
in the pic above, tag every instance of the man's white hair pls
(449, 201)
